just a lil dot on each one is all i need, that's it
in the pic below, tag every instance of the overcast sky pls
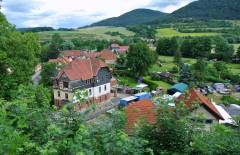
(76, 13)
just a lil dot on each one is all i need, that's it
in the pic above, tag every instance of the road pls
(114, 103)
(36, 78)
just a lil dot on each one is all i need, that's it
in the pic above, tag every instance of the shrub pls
(152, 85)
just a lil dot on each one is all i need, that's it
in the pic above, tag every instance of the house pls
(72, 53)
(140, 110)
(108, 56)
(119, 49)
(91, 75)
(206, 108)
(180, 87)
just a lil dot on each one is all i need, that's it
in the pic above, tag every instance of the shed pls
(143, 95)
(125, 101)
(180, 87)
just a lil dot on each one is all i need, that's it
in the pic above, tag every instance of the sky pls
(77, 13)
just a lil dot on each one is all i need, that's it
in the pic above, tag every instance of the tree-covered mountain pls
(138, 16)
(211, 9)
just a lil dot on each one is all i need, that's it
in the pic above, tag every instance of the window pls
(100, 89)
(90, 92)
(59, 95)
(66, 95)
(65, 84)
(105, 87)
(209, 121)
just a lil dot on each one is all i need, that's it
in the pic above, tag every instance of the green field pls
(168, 64)
(168, 32)
(88, 33)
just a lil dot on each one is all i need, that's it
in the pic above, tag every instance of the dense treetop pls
(134, 17)
(213, 9)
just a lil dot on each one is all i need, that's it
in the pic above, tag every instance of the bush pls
(230, 100)
(152, 85)
(174, 70)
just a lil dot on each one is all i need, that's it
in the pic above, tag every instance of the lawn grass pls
(168, 64)
(168, 32)
(88, 33)
(161, 84)
(128, 81)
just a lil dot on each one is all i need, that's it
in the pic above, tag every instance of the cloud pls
(168, 6)
(75, 13)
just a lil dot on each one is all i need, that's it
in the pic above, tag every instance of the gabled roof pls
(144, 109)
(181, 87)
(107, 55)
(196, 96)
(82, 69)
(72, 53)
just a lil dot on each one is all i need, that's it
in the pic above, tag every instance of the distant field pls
(168, 32)
(88, 33)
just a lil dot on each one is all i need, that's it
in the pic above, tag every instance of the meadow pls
(168, 64)
(168, 32)
(88, 33)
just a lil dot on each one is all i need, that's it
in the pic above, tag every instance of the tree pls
(67, 45)
(171, 134)
(200, 70)
(238, 52)
(185, 74)
(55, 46)
(18, 58)
(140, 58)
(220, 140)
(187, 48)
(223, 50)
(49, 71)
(167, 46)
(178, 57)
(222, 69)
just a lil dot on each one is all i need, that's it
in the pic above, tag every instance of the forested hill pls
(138, 16)
(211, 9)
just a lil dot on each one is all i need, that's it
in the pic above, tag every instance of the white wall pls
(96, 93)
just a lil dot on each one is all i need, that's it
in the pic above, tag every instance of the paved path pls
(114, 103)
(36, 78)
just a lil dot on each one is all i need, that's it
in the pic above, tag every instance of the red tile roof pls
(72, 53)
(63, 60)
(196, 96)
(107, 55)
(114, 46)
(82, 69)
(144, 109)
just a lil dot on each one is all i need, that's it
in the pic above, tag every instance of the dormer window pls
(65, 84)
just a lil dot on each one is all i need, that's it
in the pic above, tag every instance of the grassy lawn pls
(168, 64)
(88, 33)
(131, 82)
(235, 68)
(168, 32)
(161, 84)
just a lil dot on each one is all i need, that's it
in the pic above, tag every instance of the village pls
(86, 78)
